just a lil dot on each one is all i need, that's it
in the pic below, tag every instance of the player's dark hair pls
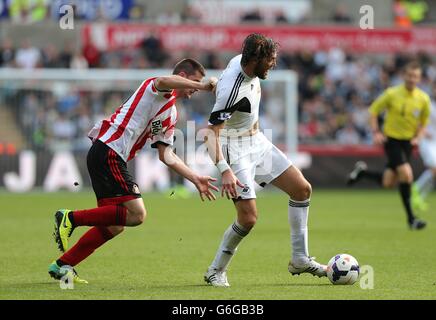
(189, 66)
(257, 47)
(413, 65)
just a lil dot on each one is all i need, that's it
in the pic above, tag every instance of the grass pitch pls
(165, 258)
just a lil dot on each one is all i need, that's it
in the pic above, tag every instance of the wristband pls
(222, 166)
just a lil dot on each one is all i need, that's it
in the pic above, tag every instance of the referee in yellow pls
(407, 111)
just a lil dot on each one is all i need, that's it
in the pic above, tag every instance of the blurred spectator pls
(27, 57)
(416, 10)
(68, 102)
(190, 15)
(7, 53)
(153, 49)
(347, 135)
(137, 12)
(169, 17)
(92, 55)
(62, 132)
(341, 15)
(28, 11)
(280, 17)
(401, 15)
(212, 61)
(50, 57)
(252, 16)
(66, 55)
(78, 61)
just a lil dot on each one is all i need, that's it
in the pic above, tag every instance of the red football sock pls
(102, 216)
(91, 240)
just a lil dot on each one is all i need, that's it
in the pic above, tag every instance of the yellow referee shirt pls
(405, 111)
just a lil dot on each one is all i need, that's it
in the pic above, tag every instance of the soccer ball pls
(343, 269)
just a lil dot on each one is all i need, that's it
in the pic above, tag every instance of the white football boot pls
(216, 278)
(311, 267)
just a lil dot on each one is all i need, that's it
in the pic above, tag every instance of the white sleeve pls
(226, 94)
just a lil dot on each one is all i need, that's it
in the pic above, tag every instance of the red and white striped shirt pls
(148, 115)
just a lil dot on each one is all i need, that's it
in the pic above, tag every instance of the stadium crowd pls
(335, 88)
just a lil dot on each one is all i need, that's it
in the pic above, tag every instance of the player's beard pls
(260, 72)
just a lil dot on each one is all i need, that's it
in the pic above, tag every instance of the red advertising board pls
(291, 38)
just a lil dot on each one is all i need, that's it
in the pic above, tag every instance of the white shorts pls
(253, 159)
(427, 150)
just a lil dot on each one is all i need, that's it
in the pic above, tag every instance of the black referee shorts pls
(398, 152)
(111, 181)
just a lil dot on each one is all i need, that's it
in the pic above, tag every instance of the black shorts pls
(111, 181)
(398, 152)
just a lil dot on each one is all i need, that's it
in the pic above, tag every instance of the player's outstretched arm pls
(179, 82)
(202, 183)
(228, 180)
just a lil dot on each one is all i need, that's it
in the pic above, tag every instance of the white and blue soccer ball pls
(343, 269)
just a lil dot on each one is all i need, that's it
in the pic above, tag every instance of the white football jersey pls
(237, 98)
(149, 115)
(431, 127)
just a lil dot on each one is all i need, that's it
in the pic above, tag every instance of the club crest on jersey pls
(246, 189)
(135, 189)
(224, 116)
(156, 126)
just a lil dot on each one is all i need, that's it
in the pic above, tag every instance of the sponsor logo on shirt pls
(224, 116)
(156, 126)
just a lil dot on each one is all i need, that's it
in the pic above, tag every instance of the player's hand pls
(378, 138)
(211, 83)
(414, 142)
(205, 187)
(229, 182)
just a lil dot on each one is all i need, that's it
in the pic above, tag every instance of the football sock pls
(112, 215)
(405, 191)
(425, 183)
(298, 212)
(232, 237)
(372, 175)
(91, 240)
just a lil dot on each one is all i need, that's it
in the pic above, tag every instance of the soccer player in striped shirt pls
(149, 115)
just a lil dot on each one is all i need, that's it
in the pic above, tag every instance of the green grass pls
(165, 258)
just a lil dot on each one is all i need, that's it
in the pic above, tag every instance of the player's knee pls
(303, 193)
(249, 222)
(247, 218)
(138, 216)
(116, 230)
(388, 184)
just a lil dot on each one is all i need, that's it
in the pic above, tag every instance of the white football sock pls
(425, 183)
(232, 237)
(297, 214)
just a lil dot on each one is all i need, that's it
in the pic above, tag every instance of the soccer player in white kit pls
(244, 156)
(427, 149)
